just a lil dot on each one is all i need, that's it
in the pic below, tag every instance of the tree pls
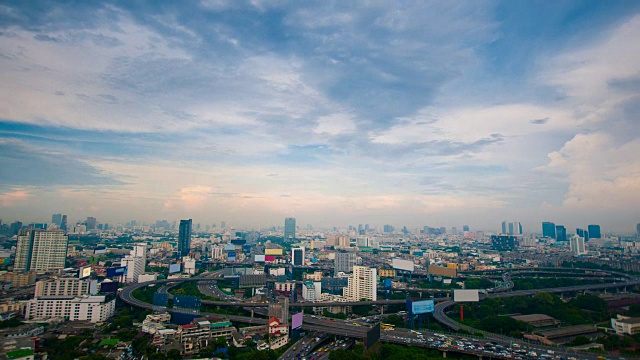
(174, 354)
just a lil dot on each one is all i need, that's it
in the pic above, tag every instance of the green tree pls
(174, 354)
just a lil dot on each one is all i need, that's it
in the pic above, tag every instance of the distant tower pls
(91, 223)
(56, 219)
(39, 250)
(594, 231)
(184, 237)
(549, 229)
(561, 233)
(465, 228)
(504, 228)
(63, 223)
(638, 230)
(289, 228)
(297, 256)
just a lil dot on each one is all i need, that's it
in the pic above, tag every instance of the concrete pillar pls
(382, 310)
(252, 310)
(444, 354)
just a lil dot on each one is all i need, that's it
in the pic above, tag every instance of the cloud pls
(14, 196)
(539, 121)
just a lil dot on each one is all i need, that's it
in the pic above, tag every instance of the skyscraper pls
(511, 228)
(549, 229)
(561, 233)
(91, 223)
(184, 237)
(465, 228)
(297, 256)
(289, 229)
(344, 261)
(583, 234)
(577, 245)
(63, 223)
(41, 250)
(638, 230)
(56, 219)
(594, 231)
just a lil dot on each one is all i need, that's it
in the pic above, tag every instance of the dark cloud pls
(539, 121)
(23, 165)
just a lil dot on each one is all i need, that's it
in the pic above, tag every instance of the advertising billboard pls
(229, 247)
(108, 286)
(466, 295)
(275, 252)
(84, 272)
(296, 320)
(442, 271)
(99, 250)
(231, 256)
(259, 258)
(270, 258)
(187, 302)
(400, 264)
(174, 268)
(373, 335)
(119, 271)
(420, 306)
(160, 299)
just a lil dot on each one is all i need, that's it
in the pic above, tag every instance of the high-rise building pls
(56, 219)
(223, 224)
(135, 262)
(583, 234)
(504, 242)
(638, 230)
(465, 228)
(66, 286)
(362, 284)
(576, 244)
(594, 231)
(289, 229)
(549, 229)
(63, 223)
(344, 262)
(184, 238)
(388, 228)
(511, 228)
(561, 233)
(91, 223)
(41, 250)
(15, 227)
(297, 256)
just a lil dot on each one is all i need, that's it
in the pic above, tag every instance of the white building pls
(135, 267)
(362, 284)
(92, 308)
(188, 265)
(66, 286)
(576, 244)
(41, 250)
(625, 325)
(311, 290)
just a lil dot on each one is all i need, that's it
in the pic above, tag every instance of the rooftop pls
(20, 353)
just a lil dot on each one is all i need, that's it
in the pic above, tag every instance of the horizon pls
(416, 114)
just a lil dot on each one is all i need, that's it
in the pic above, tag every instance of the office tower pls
(362, 284)
(91, 223)
(388, 228)
(638, 230)
(454, 230)
(465, 228)
(577, 245)
(561, 233)
(16, 227)
(344, 261)
(362, 241)
(583, 234)
(280, 309)
(56, 219)
(297, 256)
(511, 228)
(184, 237)
(311, 290)
(504, 228)
(63, 223)
(135, 262)
(549, 229)
(366, 227)
(66, 286)
(223, 224)
(41, 250)
(289, 229)
(594, 231)
(360, 228)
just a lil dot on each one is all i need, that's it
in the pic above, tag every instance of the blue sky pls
(408, 113)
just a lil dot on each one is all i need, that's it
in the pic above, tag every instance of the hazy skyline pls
(405, 113)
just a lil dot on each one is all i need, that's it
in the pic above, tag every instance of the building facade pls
(41, 250)
(67, 286)
(184, 237)
(297, 256)
(362, 284)
(72, 308)
(344, 262)
(289, 228)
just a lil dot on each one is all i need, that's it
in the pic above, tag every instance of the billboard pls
(420, 306)
(99, 250)
(466, 295)
(400, 264)
(373, 336)
(296, 320)
(84, 272)
(231, 256)
(119, 271)
(108, 286)
(186, 302)
(275, 252)
(442, 271)
(270, 258)
(174, 268)
(160, 299)
(229, 247)
(259, 258)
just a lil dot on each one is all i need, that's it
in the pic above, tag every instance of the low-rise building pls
(66, 286)
(18, 279)
(625, 325)
(91, 308)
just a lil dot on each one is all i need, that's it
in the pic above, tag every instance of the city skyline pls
(437, 114)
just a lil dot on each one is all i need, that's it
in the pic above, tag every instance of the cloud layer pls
(412, 114)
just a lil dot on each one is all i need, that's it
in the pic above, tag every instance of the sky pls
(436, 113)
